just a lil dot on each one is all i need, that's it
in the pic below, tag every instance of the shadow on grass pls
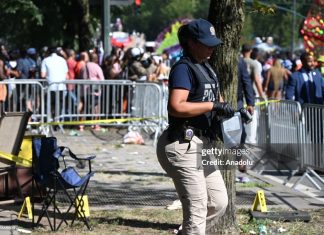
(124, 194)
(133, 173)
(135, 223)
(13, 224)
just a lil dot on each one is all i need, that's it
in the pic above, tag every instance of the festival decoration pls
(167, 40)
(313, 29)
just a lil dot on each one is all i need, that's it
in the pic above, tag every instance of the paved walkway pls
(129, 176)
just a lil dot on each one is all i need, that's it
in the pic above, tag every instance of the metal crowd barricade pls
(26, 95)
(89, 100)
(261, 116)
(284, 128)
(278, 135)
(165, 92)
(257, 132)
(312, 143)
(147, 102)
(140, 103)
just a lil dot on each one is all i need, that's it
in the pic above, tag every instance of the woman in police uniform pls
(194, 105)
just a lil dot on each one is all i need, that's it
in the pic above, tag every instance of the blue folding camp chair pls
(52, 178)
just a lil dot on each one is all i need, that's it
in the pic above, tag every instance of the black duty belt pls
(200, 133)
(176, 133)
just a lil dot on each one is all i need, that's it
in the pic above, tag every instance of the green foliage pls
(21, 8)
(262, 8)
(273, 18)
(44, 22)
(16, 17)
(41, 23)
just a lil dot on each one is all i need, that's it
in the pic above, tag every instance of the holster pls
(175, 133)
(216, 129)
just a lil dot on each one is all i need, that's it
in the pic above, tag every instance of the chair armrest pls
(62, 151)
(87, 158)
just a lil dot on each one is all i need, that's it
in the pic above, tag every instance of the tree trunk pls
(227, 16)
(84, 25)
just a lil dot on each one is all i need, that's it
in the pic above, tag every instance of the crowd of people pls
(271, 73)
(142, 65)
(274, 75)
(57, 65)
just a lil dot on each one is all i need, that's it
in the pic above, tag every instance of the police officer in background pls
(195, 107)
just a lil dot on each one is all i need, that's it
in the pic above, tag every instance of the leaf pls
(262, 8)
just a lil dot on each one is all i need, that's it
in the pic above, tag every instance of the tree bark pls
(227, 16)
(85, 33)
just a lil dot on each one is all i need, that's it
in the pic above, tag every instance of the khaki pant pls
(201, 189)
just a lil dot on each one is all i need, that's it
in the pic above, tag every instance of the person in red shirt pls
(84, 58)
(71, 63)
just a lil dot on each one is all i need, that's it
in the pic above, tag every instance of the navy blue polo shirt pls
(181, 77)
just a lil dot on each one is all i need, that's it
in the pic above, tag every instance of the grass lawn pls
(162, 221)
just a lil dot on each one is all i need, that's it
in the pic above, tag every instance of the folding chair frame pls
(75, 200)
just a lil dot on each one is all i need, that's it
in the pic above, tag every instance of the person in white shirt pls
(254, 69)
(54, 69)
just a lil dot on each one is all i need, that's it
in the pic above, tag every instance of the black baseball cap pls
(204, 32)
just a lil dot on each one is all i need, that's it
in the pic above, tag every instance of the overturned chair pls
(53, 174)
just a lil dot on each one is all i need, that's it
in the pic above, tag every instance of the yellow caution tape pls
(19, 160)
(265, 102)
(99, 121)
(102, 121)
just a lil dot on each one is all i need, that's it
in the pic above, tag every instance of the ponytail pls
(183, 36)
